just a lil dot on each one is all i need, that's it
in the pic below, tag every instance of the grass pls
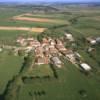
(87, 26)
(9, 37)
(51, 16)
(66, 87)
(7, 14)
(40, 70)
(9, 67)
(28, 24)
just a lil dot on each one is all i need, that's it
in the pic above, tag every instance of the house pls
(52, 42)
(90, 49)
(22, 41)
(56, 61)
(28, 49)
(46, 53)
(98, 39)
(34, 43)
(45, 40)
(59, 42)
(47, 61)
(69, 37)
(91, 40)
(60, 46)
(46, 48)
(71, 58)
(50, 39)
(41, 60)
(77, 54)
(68, 51)
(85, 67)
(30, 39)
(53, 50)
(39, 51)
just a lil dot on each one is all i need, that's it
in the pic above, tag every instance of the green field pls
(9, 67)
(6, 15)
(51, 16)
(9, 37)
(40, 71)
(67, 86)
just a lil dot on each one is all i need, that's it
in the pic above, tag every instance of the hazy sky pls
(55, 0)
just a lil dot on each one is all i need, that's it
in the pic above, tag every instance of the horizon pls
(67, 1)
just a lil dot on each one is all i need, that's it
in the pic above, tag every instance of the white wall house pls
(85, 66)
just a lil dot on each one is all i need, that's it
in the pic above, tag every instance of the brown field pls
(38, 29)
(34, 19)
(43, 20)
(23, 29)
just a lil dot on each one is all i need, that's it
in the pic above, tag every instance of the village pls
(50, 51)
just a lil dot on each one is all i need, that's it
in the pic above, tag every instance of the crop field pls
(38, 30)
(7, 19)
(8, 68)
(49, 16)
(44, 20)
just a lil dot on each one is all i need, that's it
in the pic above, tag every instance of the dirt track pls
(22, 28)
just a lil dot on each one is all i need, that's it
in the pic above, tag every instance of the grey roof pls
(98, 39)
(56, 60)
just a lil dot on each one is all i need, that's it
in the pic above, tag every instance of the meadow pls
(9, 36)
(68, 86)
(9, 67)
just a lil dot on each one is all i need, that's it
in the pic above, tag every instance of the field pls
(69, 81)
(43, 20)
(7, 19)
(67, 86)
(8, 68)
(40, 71)
(38, 30)
(9, 36)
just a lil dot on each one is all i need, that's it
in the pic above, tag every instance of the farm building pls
(69, 37)
(85, 66)
(91, 41)
(98, 39)
(71, 58)
(56, 61)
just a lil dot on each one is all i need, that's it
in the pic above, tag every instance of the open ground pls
(38, 30)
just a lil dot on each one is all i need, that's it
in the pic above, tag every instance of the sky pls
(52, 0)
